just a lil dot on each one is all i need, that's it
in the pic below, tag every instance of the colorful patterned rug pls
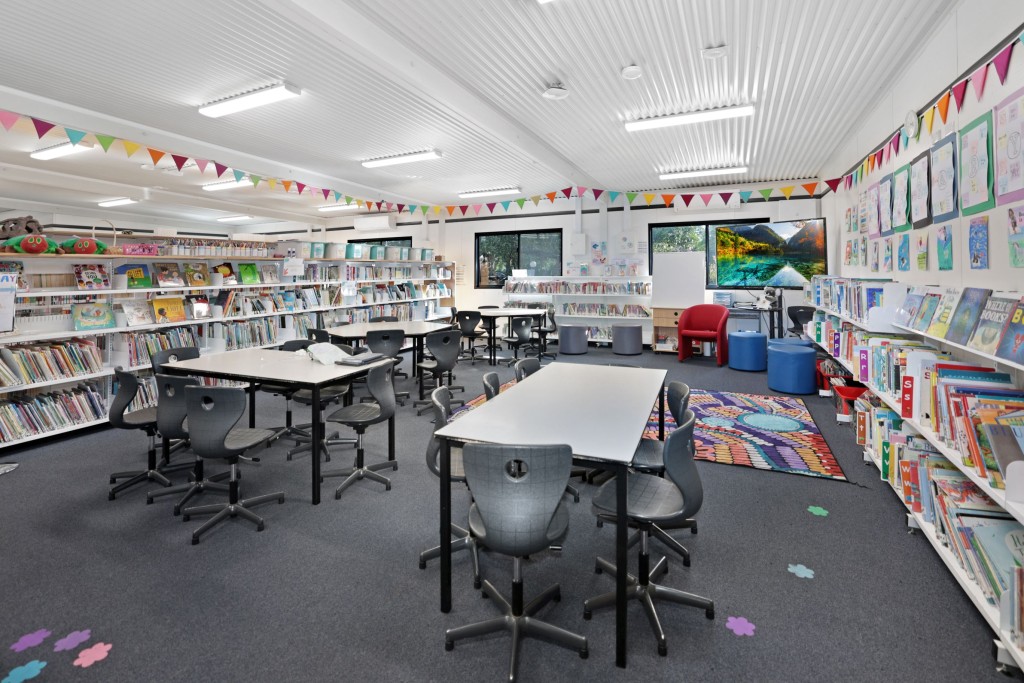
(764, 432)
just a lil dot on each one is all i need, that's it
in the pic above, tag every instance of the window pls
(395, 242)
(539, 252)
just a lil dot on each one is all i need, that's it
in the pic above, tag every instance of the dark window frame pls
(379, 241)
(518, 234)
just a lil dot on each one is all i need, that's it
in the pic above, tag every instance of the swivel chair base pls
(197, 484)
(660, 533)
(235, 507)
(153, 472)
(463, 541)
(424, 404)
(359, 470)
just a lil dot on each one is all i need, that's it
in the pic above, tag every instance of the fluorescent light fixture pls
(403, 159)
(120, 201)
(249, 100)
(489, 193)
(544, 2)
(61, 150)
(692, 117)
(232, 219)
(339, 207)
(226, 185)
(706, 172)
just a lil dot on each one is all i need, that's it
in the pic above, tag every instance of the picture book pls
(227, 272)
(1004, 445)
(90, 276)
(848, 252)
(16, 267)
(943, 317)
(268, 274)
(138, 312)
(92, 316)
(977, 242)
(903, 252)
(1011, 346)
(921, 252)
(910, 307)
(168, 275)
(248, 274)
(138, 275)
(927, 311)
(1002, 544)
(197, 274)
(199, 307)
(169, 309)
(944, 246)
(989, 330)
(968, 312)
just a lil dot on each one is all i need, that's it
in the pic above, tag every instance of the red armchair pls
(704, 322)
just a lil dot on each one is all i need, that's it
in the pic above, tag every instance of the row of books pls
(242, 335)
(513, 286)
(32, 415)
(147, 396)
(136, 347)
(604, 309)
(27, 364)
(362, 315)
(852, 297)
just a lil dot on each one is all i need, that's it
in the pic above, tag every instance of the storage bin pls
(376, 252)
(335, 250)
(317, 250)
(428, 255)
(353, 250)
(392, 253)
(404, 253)
(415, 254)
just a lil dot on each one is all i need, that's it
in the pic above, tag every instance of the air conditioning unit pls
(384, 221)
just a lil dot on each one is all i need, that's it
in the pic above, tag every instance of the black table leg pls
(621, 564)
(391, 438)
(316, 435)
(446, 525)
(252, 405)
(661, 414)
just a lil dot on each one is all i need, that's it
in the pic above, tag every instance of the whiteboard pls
(678, 279)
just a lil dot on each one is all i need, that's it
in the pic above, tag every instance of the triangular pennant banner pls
(878, 159)
(765, 193)
(871, 163)
(348, 200)
(895, 144)
(630, 196)
(327, 193)
(42, 127)
(8, 119)
(612, 196)
(239, 175)
(687, 198)
(156, 155)
(833, 184)
(551, 196)
(451, 210)
(959, 90)
(337, 197)
(707, 198)
(726, 196)
(1002, 61)
(520, 202)
(272, 182)
(179, 160)
(745, 195)
(299, 187)
(929, 118)
(580, 190)
(810, 187)
(649, 198)
(943, 106)
(130, 148)
(476, 209)
(904, 139)
(567, 192)
(387, 206)
(506, 204)
(75, 136)
(536, 199)
(786, 191)
(220, 168)
(436, 209)
(597, 193)
(412, 209)
(978, 80)
(105, 141)
(254, 179)
(490, 207)
(423, 209)
(287, 185)
(463, 208)
(668, 199)
(202, 164)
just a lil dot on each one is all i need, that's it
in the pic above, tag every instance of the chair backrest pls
(800, 315)
(468, 321)
(170, 355)
(678, 400)
(492, 385)
(171, 409)
(680, 466)
(444, 346)
(382, 390)
(387, 342)
(703, 317)
(526, 367)
(319, 336)
(441, 399)
(212, 413)
(297, 344)
(521, 329)
(517, 509)
(127, 389)
(384, 319)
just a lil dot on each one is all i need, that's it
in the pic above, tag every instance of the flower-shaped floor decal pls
(740, 626)
(801, 571)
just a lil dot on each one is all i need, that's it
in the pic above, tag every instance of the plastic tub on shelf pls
(415, 254)
(376, 252)
(393, 253)
(353, 250)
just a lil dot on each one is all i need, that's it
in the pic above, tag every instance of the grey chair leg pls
(463, 540)
(235, 507)
(360, 471)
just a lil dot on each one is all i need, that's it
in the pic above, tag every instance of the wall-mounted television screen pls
(784, 254)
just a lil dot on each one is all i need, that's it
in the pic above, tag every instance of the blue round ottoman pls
(747, 351)
(572, 339)
(791, 369)
(791, 341)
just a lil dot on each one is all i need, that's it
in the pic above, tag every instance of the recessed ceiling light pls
(249, 100)
(121, 201)
(226, 185)
(692, 117)
(489, 193)
(706, 172)
(61, 150)
(632, 72)
(233, 219)
(338, 207)
(712, 53)
(403, 158)
(555, 92)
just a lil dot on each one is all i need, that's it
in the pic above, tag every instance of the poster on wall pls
(849, 219)
(943, 179)
(625, 244)
(872, 209)
(944, 246)
(887, 255)
(900, 192)
(864, 250)
(921, 251)
(1015, 236)
(855, 255)
(920, 180)
(885, 205)
(874, 256)
(903, 252)
(1009, 138)
(976, 193)
(977, 242)
(598, 254)
(862, 212)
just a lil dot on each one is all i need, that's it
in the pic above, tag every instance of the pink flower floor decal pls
(72, 640)
(25, 672)
(740, 626)
(30, 640)
(91, 655)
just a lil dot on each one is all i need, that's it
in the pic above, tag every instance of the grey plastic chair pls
(526, 367)
(157, 361)
(544, 327)
(212, 414)
(444, 346)
(469, 326)
(492, 385)
(520, 334)
(518, 511)
(171, 411)
(383, 319)
(359, 416)
(389, 343)
(299, 434)
(652, 499)
(319, 336)
(328, 395)
(441, 399)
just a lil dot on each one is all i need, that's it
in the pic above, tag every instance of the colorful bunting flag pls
(706, 198)
(506, 204)
(387, 206)
(327, 193)
(668, 199)
(766, 193)
(75, 136)
(833, 184)
(412, 209)
(451, 210)
(337, 197)
(463, 208)
(978, 80)
(271, 181)
(201, 164)
(687, 198)
(220, 168)
(348, 200)
(535, 199)
(179, 160)
(239, 175)
(745, 195)
(551, 196)
(580, 190)
(521, 201)
(630, 196)
(811, 188)
(42, 127)
(1002, 61)
(567, 192)
(871, 163)
(649, 197)
(597, 193)
(943, 106)
(287, 185)
(155, 154)
(299, 187)
(490, 207)
(105, 141)
(8, 119)
(612, 196)
(959, 90)
(904, 139)
(878, 159)
(423, 209)
(254, 179)
(476, 208)
(929, 118)
(726, 196)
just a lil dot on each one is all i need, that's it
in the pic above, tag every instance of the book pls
(169, 309)
(928, 307)
(91, 276)
(977, 242)
(92, 316)
(268, 274)
(248, 274)
(137, 312)
(967, 314)
(939, 325)
(1004, 445)
(989, 329)
(1011, 344)
(199, 307)
(138, 275)
(910, 307)
(197, 274)
(227, 272)
(168, 275)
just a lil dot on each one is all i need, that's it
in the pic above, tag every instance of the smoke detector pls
(556, 91)
(632, 72)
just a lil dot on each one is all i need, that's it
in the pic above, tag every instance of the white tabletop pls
(269, 365)
(510, 312)
(410, 328)
(600, 411)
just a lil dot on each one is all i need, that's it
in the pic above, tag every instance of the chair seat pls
(648, 498)
(244, 438)
(700, 334)
(649, 456)
(357, 413)
(427, 364)
(141, 418)
(557, 528)
(458, 471)
(283, 389)
(305, 396)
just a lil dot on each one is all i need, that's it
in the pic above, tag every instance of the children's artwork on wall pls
(887, 255)
(921, 250)
(874, 256)
(977, 242)
(1015, 235)
(943, 179)
(920, 181)
(855, 256)
(1009, 137)
(900, 192)
(599, 253)
(944, 246)
(885, 205)
(848, 253)
(872, 210)
(903, 252)
(862, 212)
(864, 250)
(849, 219)
(976, 193)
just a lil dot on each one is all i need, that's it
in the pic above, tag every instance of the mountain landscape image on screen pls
(770, 254)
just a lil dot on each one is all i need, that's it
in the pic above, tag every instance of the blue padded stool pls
(572, 339)
(791, 369)
(748, 351)
(791, 341)
(627, 340)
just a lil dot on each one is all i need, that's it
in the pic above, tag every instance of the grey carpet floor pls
(333, 592)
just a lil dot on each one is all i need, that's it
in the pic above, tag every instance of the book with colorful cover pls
(977, 242)
(268, 274)
(989, 329)
(968, 312)
(1011, 345)
(928, 307)
(90, 276)
(197, 274)
(138, 275)
(910, 307)
(168, 275)
(1003, 544)
(248, 274)
(943, 317)
(227, 272)
(92, 316)
(199, 307)
(169, 309)
(1004, 445)
(137, 312)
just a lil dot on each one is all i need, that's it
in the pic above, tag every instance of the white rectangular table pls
(278, 367)
(492, 329)
(600, 411)
(416, 330)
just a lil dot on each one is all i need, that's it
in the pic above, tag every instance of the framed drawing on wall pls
(900, 199)
(976, 187)
(1009, 162)
(943, 179)
(885, 205)
(920, 183)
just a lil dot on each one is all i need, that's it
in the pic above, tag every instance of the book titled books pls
(989, 330)
(967, 314)
(92, 316)
(169, 309)
(227, 272)
(137, 312)
(1011, 345)
(197, 274)
(248, 273)
(137, 273)
(90, 276)
(168, 275)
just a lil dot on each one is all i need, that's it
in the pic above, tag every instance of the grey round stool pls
(572, 339)
(627, 339)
